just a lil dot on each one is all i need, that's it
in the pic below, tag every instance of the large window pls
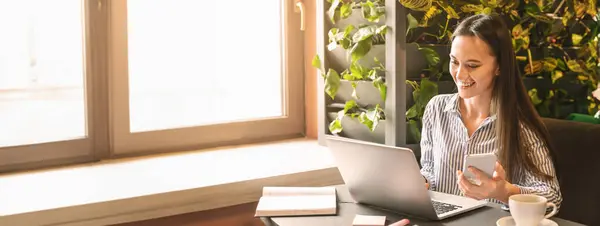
(82, 80)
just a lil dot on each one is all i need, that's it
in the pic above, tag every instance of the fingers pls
(402, 222)
(477, 173)
(468, 189)
(499, 173)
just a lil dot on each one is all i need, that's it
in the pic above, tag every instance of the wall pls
(240, 215)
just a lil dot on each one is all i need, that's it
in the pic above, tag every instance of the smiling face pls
(473, 66)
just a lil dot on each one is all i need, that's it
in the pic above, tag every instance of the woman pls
(491, 113)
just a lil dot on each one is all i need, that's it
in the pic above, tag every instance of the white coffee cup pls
(529, 210)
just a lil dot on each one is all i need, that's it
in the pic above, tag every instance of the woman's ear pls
(497, 73)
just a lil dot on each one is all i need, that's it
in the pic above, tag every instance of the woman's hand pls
(495, 187)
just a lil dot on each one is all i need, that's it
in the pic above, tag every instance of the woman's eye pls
(454, 62)
(473, 66)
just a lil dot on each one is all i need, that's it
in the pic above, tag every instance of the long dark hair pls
(510, 101)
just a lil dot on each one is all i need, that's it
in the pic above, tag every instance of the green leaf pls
(418, 5)
(316, 62)
(371, 118)
(413, 128)
(550, 63)
(534, 97)
(542, 18)
(371, 12)
(335, 126)
(471, 8)
(381, 30)
(412, 22)
(556, 75)
(364, 33)
(357, 71)
(428, 90)
(354, 95)
(333, 12)
(534, 68)
(349, 105)
(433, 58)
(561, 64)
(487, 11)
(532, 8)
(430, 14)
(576, 39)
(574, 66)
(360, 49)
(450, 12)
(381, 86)
(332, 83)
(412, 112)
(346, 10)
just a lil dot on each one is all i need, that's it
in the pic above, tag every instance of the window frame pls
(89, 148)
(107, 111)
(125, 143)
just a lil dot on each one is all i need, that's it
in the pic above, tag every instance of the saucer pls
(508, 221)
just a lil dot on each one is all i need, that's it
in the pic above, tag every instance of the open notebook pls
(297, 201)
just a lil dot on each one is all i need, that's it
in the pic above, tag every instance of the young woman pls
(491, 113)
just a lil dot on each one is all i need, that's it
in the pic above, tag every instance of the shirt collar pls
(452, 106)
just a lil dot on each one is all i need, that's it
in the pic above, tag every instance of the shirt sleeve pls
(529, 183)
(427, 146)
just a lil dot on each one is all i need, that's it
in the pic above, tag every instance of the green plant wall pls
(357, 40)
(556, 43)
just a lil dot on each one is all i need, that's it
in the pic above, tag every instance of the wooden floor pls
(240, 215)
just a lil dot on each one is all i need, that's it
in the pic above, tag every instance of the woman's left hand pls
(494, 187)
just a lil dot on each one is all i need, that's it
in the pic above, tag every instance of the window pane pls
(203, 62)
(41, 71)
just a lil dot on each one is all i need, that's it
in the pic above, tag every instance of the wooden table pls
(487, 215)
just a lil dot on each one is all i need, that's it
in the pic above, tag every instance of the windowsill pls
(119, 191)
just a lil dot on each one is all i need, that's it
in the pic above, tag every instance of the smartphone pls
(484, 162)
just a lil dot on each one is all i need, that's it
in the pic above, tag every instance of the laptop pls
(389, 178)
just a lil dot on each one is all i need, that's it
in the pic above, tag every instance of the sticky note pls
(366, 220)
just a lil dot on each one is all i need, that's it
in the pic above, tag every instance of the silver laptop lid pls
(383, 176)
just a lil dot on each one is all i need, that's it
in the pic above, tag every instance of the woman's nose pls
(461, 73)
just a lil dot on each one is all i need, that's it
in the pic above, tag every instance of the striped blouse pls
(444, 143)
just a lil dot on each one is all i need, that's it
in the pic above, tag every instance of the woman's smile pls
(465, 85)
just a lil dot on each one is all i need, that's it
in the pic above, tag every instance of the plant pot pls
(367, 94)
(353, 129)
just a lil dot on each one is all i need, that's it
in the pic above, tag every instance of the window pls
(91, 79)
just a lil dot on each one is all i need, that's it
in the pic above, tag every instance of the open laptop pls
(389, 178)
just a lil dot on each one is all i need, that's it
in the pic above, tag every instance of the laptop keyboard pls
(441, 207)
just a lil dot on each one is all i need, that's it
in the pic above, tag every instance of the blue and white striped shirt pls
(445, 142)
